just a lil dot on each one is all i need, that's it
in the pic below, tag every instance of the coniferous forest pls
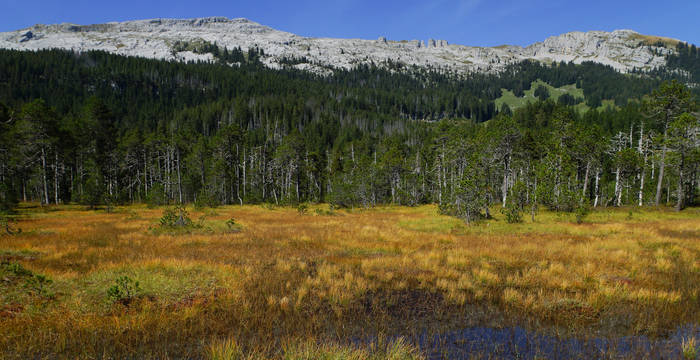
(102, 129)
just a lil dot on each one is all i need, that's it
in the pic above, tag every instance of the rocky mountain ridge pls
(624, 50)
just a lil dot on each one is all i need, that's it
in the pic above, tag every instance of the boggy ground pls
(285, 284)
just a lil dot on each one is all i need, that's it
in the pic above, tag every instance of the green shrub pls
(329, 212)
(512, 213)
(302, 209)
(232, 225)
(176, 217)
(581, 212)
(177, 221)
(124, 291)
(39, 285)
(16, 269)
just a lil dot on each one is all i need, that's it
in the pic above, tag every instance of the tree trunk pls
(679, 202)
(202, 179)
(597, 181)
(238, 178)
(71, 180)
(55, 179)
(641, 188)
(585, 181)
(505, 182)
(533, 206)
(244, 170)
(145, 174)
(662, 165)
(618, 188)
(262, 170)
(557, 182)
(179, 177)
(43, 172)
(644, 164)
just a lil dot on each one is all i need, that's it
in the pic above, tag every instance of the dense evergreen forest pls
(102, 129)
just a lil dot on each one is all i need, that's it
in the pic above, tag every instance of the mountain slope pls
(624, 50)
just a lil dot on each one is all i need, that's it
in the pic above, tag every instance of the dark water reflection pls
(518, 343)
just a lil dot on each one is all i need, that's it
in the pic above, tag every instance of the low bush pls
(39, 285)
(176, 217)
(581, 212)
(302, 209)
(512, 213)
(124, 291)
(35, 284)
(232, 225)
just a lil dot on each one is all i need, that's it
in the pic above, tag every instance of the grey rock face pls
(154, 38)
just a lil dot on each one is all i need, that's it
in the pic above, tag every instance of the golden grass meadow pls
(344, 284)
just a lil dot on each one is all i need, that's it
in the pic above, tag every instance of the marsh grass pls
(19, 254)
(228, 349)
(689, 348)
(286, 283)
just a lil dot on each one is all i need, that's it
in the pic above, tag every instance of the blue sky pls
(467, 22)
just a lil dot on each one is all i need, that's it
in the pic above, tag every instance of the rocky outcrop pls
(621, 49)
(155, 38)
(437, 43)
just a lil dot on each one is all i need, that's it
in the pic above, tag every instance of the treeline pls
(142, 90)
(112, 129)
(684, 65)
(598, 82)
